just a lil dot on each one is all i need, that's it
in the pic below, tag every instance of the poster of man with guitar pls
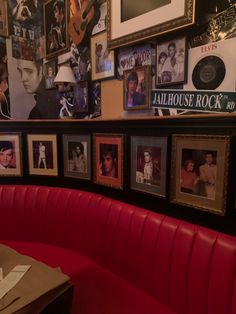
(86, 14)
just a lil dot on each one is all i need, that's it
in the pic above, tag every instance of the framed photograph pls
(131, 57)
(3, 19)
(77, 156)
(55, 24)
(200, 171)
(171, 62)
(42, 154)
(108, 159)
(80, 61)
(148, 164)
(80, 98)
(137, 88)
(10, 154)
(95, 93)
(50, 72)
(131, 21)
(102, 60)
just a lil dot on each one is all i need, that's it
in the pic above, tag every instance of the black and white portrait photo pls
(171, 62)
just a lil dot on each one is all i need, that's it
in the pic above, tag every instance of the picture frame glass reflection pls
(200, 171)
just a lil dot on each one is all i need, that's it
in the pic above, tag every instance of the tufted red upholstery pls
(187, 268)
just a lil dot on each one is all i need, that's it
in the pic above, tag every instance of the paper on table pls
(12, 278)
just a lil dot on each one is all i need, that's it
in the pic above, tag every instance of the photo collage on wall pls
(182, 74)
(34, 37)
(199, 163)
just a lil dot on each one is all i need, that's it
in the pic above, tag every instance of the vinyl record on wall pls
(209, 73)
(210, 67)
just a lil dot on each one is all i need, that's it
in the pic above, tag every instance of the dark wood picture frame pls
(171, 63)
(77, 156)
(108, 148)
(148, 164)
(55, 26)
(4, 30)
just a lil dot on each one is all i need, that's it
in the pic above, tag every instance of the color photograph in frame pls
(55, 24)
(10, 154)
(108, 160)
(102, 60)
(171, 62)
(129, 22)
(137, 88)
(80, 99)
(200, 171)
(134, 56)
(42, 154)
(3, 19)
(50, 72)
(77, 156)
(148, 164)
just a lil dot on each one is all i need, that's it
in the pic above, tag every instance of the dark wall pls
(205, 124)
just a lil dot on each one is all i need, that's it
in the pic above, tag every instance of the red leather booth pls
(121, 259)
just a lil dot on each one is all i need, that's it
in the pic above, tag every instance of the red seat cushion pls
(102, 292)
(99, 290)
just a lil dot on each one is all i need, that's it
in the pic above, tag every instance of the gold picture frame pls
(129, 23)
(10, 154)
(199, 171)
(102, 60)
(4, 31)
(42, 154)
(137, 88)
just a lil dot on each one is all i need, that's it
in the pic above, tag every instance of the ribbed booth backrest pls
(189, 268)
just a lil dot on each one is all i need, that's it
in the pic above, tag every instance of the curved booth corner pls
(121, 258)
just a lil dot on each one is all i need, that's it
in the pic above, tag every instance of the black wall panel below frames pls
(210, 125)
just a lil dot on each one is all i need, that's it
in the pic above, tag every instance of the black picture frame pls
(171, 62)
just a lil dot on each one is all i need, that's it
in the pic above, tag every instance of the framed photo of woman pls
(199, 171)
(77, 156)
(137, 88)
(148, 164)
(108, 159)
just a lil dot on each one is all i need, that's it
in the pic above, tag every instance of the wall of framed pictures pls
(136, 65)
(171, 58)
(183, 167)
